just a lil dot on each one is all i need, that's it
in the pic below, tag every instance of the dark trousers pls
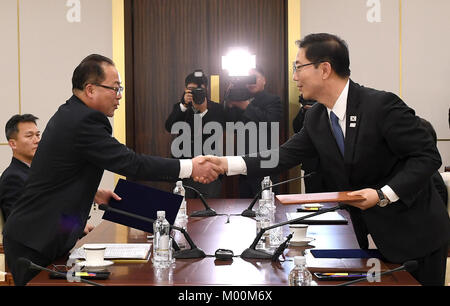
(431, 268)
(20, 272)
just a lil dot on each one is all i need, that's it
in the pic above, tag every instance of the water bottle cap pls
(161, 213)
(179, 183)
(299, 260)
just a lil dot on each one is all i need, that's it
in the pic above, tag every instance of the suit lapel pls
(353, 119)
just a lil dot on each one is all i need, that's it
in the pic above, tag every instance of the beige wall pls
(395, 45)
(37, 70)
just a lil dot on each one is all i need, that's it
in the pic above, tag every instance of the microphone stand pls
(207, 212)
(250, 213)
(193, 252)
(251, 252)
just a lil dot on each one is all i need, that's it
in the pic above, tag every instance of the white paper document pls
(118, 251)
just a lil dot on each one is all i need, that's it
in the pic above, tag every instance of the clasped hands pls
(206, 169)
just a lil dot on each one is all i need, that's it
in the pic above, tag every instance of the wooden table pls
(227, 232)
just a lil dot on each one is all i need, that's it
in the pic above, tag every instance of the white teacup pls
(298, 231)
(94, 254)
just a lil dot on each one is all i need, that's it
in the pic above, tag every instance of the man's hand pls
(88, 228)
(370, 195)
(103, 195)
(187, 98)
(206, 169)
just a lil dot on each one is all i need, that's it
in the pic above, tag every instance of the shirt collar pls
(340, 107)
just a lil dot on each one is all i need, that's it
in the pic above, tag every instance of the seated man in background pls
(23, 137)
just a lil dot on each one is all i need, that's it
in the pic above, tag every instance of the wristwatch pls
(383, 200)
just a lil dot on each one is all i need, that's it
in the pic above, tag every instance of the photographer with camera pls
(247, 101)
(195, 102)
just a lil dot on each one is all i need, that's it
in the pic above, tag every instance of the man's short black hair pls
(11, 128)
(90, 71)
(191, 78)
(324, 47)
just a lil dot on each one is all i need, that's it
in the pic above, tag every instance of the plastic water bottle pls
(162, 244)
(179, 189)
(300, 276)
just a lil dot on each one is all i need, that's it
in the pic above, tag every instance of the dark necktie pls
(337, 131)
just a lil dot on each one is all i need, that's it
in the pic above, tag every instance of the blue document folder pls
(144, 201)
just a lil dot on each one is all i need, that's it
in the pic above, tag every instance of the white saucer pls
(104, 264)
(302, 242)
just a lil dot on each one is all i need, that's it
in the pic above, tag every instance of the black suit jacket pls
(215, 113)
(75, 148)
(387, 146)
(12, 183)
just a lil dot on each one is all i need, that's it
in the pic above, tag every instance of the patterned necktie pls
(337, 131)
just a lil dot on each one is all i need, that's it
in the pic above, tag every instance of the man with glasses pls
(369, 142)
(76, 147)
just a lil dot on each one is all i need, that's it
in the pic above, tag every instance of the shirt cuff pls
(185, 168)
(182, 107)
(236, 165)
(390, 194)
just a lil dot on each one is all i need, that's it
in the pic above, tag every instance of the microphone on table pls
(409, 266)
(208, 211)
(250, 213)
(193, 252)
(251, 252)
(32, 266)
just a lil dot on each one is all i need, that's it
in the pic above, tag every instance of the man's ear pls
(89, 90)
(12, 143)
(326, 70)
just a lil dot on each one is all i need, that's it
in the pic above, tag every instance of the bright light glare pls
(238, 62)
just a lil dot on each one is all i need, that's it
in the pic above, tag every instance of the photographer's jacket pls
(214, 113)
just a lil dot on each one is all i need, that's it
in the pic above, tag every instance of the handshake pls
(206, 169)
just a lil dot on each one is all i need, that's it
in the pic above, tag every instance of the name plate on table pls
(321, 197)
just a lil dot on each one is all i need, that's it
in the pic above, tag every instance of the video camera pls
(238, 90)
(238, 63)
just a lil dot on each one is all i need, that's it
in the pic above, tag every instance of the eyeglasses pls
(118, 90)
(296, 68)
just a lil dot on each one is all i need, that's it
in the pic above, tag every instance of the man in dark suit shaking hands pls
(75, 148)
(370, 142)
